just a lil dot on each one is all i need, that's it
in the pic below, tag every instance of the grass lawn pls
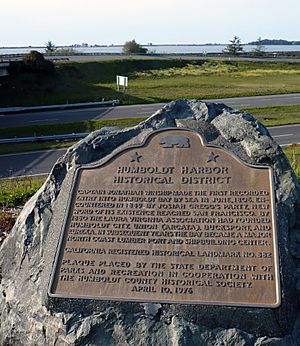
(43, 130)
(293, 154)
(153, 80)
(15, 192)
(28, 146)
(276, 115)
(76, 127)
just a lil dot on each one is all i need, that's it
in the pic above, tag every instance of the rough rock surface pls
(29, 318)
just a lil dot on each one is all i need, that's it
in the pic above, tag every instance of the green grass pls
(76, 127)
(15, 192)
(293, 154)
(216, 68)
(43, 130)
(153, 80)
(276, 115)
(25, 147)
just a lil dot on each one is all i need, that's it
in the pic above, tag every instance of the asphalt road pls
(71, 115)
(41, 162)
(31, 163)
(285, 135)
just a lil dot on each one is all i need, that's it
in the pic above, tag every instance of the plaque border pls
(111, 156)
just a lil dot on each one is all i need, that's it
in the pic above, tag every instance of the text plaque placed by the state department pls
(171, 220)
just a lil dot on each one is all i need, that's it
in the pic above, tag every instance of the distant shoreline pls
(121, 45)
(167, 49)
(289, 43)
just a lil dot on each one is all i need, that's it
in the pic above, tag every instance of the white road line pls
(271, 97)
(289, 134)
(234, 104)
(35, 121)
(133, 106)
(283, 145)
(26, 176)
(280, 126)
(244, 105)
(90, 109)
(285, 96)
(142, 113)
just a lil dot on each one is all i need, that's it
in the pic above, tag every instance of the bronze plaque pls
(172, 220)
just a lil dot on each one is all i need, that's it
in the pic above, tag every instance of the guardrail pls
(43, 138)
(64, 106)
(63, 54)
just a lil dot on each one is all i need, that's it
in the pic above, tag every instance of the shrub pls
(7, 221)
(32, 62)
(133, 47)
(15, 192)
(36, 62)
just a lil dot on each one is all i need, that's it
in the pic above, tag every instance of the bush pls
(36, 62)
(16, 192)
(133, 47)
(32, 62)
(66, 51)
(7, 221)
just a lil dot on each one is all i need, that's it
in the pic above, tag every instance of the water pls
(163, 49)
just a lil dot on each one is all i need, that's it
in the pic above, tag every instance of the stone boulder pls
(29, 317)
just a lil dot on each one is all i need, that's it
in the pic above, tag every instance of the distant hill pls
(276, 42)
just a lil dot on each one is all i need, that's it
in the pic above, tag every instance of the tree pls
(133, 47)
(259, 50)
(35, 61)
(50, 48)
(234, 47)
(32, 62)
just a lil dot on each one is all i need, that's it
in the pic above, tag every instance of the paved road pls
(71, 115)
(260, 101)
(42, 161)
(285, 135)
(31, 163)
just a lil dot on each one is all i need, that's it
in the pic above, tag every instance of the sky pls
(65, 22)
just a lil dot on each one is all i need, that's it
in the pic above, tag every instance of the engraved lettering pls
(170, 221)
